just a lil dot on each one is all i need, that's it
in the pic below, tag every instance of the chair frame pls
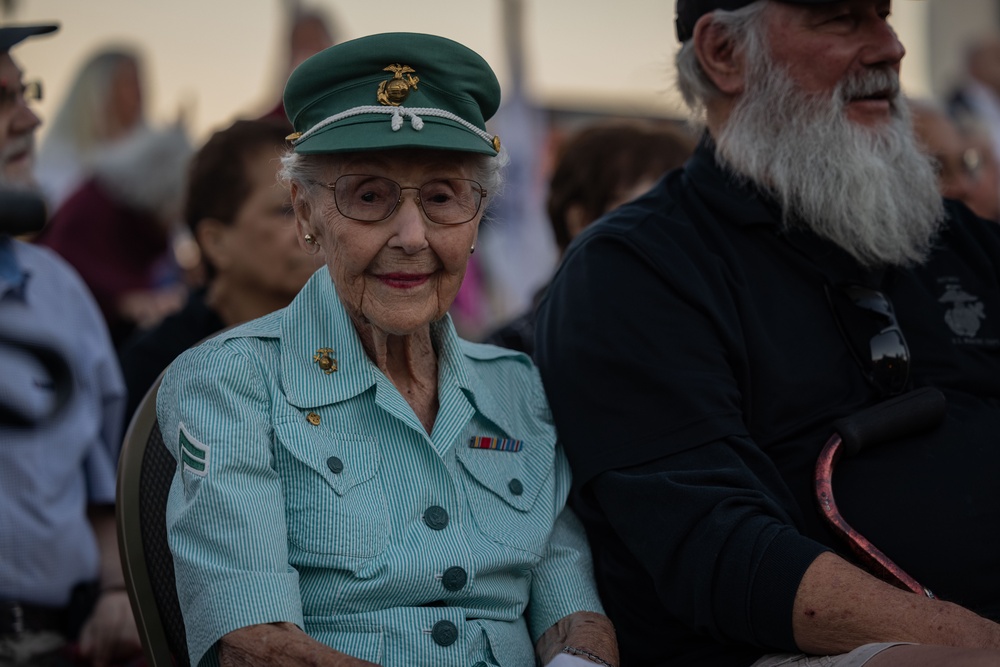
(128, 520)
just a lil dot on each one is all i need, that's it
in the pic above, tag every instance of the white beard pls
(869, 190)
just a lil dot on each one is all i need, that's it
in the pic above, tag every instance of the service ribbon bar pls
(499, 444)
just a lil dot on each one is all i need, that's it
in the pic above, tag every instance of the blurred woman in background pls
(104, 104)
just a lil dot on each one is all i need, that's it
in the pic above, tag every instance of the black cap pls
(12, 34)
(689, 11)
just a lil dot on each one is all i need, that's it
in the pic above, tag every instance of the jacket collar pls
(732, 197)
(317, 319)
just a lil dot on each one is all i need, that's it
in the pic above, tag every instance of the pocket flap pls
(515, 477)
(343, 460)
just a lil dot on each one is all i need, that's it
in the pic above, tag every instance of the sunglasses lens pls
(890, 361)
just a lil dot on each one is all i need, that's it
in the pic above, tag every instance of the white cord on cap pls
(397, 114)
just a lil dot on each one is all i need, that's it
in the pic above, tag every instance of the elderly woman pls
(356, 485)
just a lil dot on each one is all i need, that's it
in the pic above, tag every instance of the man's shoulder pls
(47, 267)
(672, 224)
(35, 256)
(244, 350)
(964, 231)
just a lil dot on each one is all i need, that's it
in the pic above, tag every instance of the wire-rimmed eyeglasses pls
(868, 323)
(367, 198)
(13, 93)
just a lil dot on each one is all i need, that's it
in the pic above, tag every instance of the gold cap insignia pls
(496, 142)
(327, 363)
(293, 136)
(394, 91)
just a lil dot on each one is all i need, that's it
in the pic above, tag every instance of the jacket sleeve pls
(226, 514)
(563, 581)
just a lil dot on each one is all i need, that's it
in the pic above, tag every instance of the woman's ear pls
(212, 237)
(577, 220)
(302, 209)
(718, 56)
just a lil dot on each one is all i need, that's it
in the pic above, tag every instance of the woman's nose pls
(410, 226)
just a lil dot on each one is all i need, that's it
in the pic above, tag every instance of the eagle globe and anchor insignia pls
(394, 91)
(966, 312)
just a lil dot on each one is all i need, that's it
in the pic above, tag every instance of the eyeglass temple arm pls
(912, 413)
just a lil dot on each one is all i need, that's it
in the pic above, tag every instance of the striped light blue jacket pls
(317, 498)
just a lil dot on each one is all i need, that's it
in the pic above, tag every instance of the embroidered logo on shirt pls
(499, 444)
(194, 454)
(966, 312)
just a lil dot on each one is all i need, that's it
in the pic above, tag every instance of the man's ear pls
(212, 238)
(717, 54)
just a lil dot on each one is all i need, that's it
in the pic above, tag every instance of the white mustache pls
(16, 146)
(870, 83)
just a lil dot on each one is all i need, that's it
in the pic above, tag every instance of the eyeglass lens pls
(449, 201)
(11, 94)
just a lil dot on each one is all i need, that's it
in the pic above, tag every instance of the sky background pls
(223, 58)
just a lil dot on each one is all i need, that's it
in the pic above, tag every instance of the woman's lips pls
(404, 280)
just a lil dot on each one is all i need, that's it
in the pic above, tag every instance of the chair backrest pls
(145, 472)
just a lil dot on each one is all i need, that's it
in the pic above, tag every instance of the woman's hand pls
(280, 644)
(589, 636)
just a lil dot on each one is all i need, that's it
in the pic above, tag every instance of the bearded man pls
(698, 343)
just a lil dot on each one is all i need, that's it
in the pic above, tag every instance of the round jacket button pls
(435, 517)
(454, 578)
(444, 633)
(335, 465)
(480, 664)
(516, 487)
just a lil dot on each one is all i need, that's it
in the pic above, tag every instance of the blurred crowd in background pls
(177, 238)
(114, 181)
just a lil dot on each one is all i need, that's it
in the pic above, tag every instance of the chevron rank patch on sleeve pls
(194, 454)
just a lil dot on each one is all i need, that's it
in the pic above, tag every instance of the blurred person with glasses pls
(62, 597)
(698, 343)
(964, 169)
(357, 485)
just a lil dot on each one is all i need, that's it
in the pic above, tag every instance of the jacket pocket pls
(334, 500)
(510, 493)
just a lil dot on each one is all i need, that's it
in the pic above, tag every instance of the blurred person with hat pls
(62, 597)
(357, 485)
(698, 343)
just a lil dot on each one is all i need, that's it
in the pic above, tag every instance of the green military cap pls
(393, 90)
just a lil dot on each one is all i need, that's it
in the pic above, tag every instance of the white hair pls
(746, 27)
(82, 119)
